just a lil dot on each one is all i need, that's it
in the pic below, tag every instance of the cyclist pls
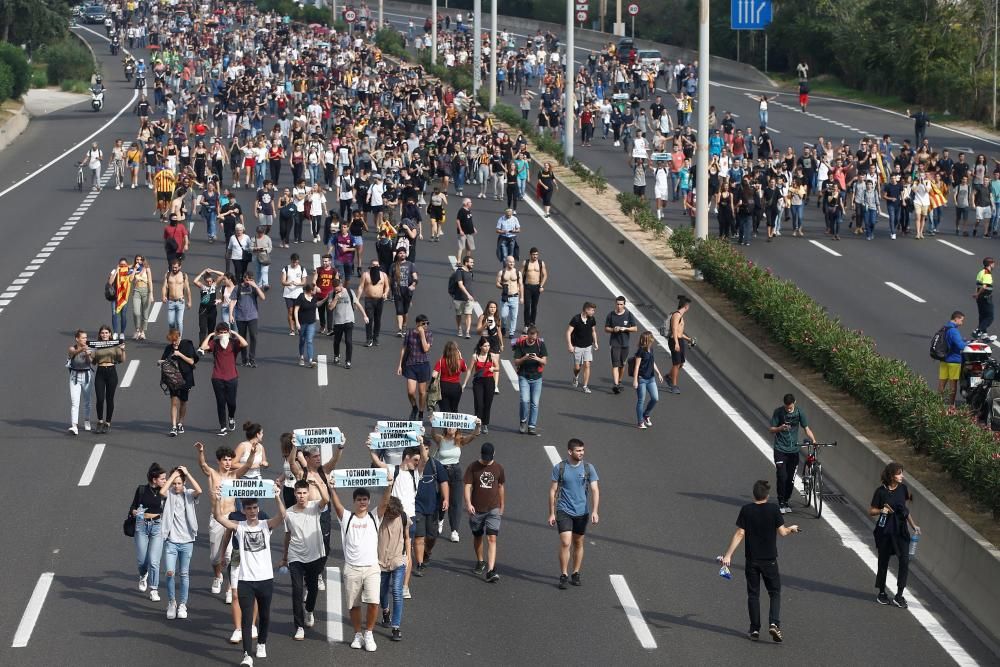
(785, 423)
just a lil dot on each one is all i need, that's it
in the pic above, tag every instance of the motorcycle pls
(114, 47)
(96, 98)
(983, 400)
(140, 82)
(974, 356)
(129, 68)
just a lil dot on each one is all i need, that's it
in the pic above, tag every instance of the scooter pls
(129, 68)
(140, 82)
(983, 400)
(96, 99)
(974, 357)
(114, 46)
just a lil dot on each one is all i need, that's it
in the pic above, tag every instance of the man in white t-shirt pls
(305, 551)
(293, 278)
(407, 473)
(362, 575)
(93, 158)
(256, 575)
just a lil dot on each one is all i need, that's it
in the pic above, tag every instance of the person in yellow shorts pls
(951, 365)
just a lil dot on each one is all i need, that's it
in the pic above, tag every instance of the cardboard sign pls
(620, 96)
(326, 435)
(394, 440)
(355, 477)
(247, 488)
(458, 420)
(665, 157)
(399, 427)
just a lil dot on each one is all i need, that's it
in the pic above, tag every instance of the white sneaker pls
(171, 610)
(253, 632)
(182, 611)
(216, 585)
(236, 637)
(310, 619)
(229, 596)
(86, 425)
(247, 660)
(261, 651)
(321, 583)
(154, 595)
(300, 634)
(357, 640)
(370, 641)
(440, 526)
(454, 536)
(406, 593)
(142, 583)
(73, 429)
(892, 236)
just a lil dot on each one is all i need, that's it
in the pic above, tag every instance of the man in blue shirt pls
(950, 368)
(431, 502)
(572, 481)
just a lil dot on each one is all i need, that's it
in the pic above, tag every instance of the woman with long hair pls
(120, 282)
(483, 372)
(645, 374)
(106, 376)
(393, 554)
(142, 289)
(892, 531)
(448, 370)
(491, 328)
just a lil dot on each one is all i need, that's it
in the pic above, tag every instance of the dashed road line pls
(956, 247)
(905, 292)
(321, 370)
(91, 468)
(553, 455)
(825, 249)
(33, 610)
(632, 611)
(154, 312)
(130, 371)
(334, 607)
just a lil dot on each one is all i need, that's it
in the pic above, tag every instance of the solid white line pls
(850, 540)
(825, 249)
(88, 472)
(154, 312)
(321, 369)
(33, 610)
(632, 612)
(955, 247)
(334, 606)
(133, 366)
(905, 292)
(508, 368)
(553, 455)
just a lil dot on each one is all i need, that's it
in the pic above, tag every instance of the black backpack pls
(453, 284)
(939, 344)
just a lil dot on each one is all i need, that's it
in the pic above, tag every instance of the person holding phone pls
(785, 423)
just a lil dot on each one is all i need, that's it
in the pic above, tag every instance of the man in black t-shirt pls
(581, 341)
(466, 230)
(760, 523)
(619, 323)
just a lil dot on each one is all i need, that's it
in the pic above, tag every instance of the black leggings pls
(260, 592)
(105, 384)
(886, 549)
(345, 209)
(455, 490)
(297, 226)
(482, 395)
(451, 395)
(532, 293)
(513, 194)
(785, 466)
(284, 227)
(207, 316)
(343, 332)
(373, 309)
(225, 399)
(248, 329)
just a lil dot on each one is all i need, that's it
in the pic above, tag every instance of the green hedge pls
(19, 70)
(6, 82)
(391, 42)
(68, 59)
(848, 360)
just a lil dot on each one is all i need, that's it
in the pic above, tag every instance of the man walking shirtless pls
(177, 296)
(535, 275)
(373, 290)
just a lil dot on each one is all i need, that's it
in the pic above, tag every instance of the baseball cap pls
(486, 453)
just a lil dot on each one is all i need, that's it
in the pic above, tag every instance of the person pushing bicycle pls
(785, 423)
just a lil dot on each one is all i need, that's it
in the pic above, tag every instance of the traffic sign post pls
(633, 10)
(582, 11)
(350, 16)
(750, 14)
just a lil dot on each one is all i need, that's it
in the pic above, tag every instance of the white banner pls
(354, 477)
(457, 420)
(247, 488)
(326, 435)
(393, 440)
(397, 427)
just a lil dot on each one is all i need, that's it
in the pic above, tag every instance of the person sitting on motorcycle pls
(140, 69)
(951, 367)
(98, 86)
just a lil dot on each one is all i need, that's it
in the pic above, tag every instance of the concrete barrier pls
(15, 125)
(959, 560)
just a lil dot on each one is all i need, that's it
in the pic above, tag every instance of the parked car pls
(650, 58)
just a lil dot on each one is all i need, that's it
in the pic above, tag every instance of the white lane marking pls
(904, 292)
(133, 366)
(4, 302)
(632, 611)
(8, 295)
(334, 606)
(508, 369)
(19, 281)
(154, 312)
(315, 260)
(15, 288)
(33, 610)
(321, 370)
(955, 247)
(88, 472)
(825, 249)
(25, 274)
(848, 537)
(553, 455)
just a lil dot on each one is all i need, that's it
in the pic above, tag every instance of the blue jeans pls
(175, 315)
(647, 387)
(306, 341)
(393, 580)
(531, 394)
(210, 219)
(797, 216)
(508, 314)
(118, 319)
(148, 548)
(177, 563)
(871, 218)
(892, 209)
(995, 219)
(505, 247)
(763, 117)
(258, 174)
(262, 271)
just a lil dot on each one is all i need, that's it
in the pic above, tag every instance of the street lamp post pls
(493, 53)
(701, 181)
(996, 24)
(569, 84)
(477, 50)
(434, 32)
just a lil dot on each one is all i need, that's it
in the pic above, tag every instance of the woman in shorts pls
(415, 366)
(357, 230)
(436, 208)
(183, 352)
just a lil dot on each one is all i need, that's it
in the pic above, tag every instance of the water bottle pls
(140, 513)
(283, 571)
(882, 519)
(723, 571)
(914, 539)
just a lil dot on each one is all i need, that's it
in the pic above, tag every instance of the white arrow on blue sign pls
(750, 14)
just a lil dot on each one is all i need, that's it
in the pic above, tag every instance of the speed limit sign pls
(350, 16)
(581, 16)
(633, 9)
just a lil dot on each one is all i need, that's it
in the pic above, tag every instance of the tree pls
(33, 22)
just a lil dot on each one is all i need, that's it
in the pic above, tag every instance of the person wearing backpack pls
(573, 480)
(182, 354)
(947, 347)
(645, 375)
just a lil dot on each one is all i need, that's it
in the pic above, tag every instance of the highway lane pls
(852, 286)
(692, 613)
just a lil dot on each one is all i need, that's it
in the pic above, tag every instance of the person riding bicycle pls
(785, 423)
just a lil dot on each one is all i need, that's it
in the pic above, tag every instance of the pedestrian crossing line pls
(154, 312)
(33, 610)
(130, 371)
(321, 370)
(91, 468)
(632, 612)
(334, 606)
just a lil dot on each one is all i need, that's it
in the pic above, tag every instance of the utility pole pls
(619, 26)
(996, 24)
(477, 50)
(381, 18)
(569, 84)
(434, 32)
(493, 53)
(701, 182)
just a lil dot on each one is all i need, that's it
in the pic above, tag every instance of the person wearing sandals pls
(106, 376)
(142, 289)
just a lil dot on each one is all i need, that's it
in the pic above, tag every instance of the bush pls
(68, 59)
(39, 79)
(391, 42)
(20, 70)
(849, 361)
(6, 82)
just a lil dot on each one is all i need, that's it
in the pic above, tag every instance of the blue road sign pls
(750, 14)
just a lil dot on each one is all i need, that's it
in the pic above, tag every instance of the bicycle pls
(812, 475)
(79, 177)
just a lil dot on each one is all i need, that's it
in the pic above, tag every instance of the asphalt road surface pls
(670, 494)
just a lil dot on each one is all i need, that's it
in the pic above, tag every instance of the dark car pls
(93, 14)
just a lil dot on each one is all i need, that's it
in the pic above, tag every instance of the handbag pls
(128, 526)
